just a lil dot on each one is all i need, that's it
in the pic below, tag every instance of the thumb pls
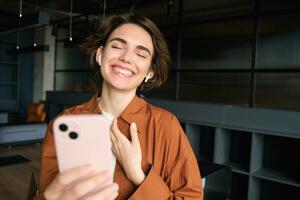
(134, 134)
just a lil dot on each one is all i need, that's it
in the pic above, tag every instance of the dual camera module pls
(73, 135)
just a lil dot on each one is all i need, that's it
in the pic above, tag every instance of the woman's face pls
(126, 57)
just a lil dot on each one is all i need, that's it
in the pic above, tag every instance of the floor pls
(15, 179)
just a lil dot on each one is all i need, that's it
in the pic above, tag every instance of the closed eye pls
(142, 56)
(116, 47)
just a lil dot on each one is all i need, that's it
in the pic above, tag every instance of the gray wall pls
(20, 65)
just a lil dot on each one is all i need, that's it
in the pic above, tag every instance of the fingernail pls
(115, 195)
(115, 186)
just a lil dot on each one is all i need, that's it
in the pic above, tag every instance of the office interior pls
(234, 85)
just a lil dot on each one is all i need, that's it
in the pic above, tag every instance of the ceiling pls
(60, 9)
(157, 10)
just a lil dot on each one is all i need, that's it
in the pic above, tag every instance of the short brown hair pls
(161, 60)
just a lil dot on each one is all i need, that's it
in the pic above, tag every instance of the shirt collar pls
(93, 104)
(136, 111)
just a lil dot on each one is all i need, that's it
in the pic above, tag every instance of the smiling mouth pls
(125, 72)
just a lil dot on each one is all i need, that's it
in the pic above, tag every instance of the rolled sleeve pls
(182, 181)
(153, 187)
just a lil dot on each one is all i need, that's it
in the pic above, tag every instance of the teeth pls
(123, 71)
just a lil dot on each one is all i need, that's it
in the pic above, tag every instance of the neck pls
(115, 101)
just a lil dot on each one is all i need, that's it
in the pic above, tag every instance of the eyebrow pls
(125, 42)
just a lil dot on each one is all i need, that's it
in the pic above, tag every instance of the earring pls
(147, 78)
(99, 61)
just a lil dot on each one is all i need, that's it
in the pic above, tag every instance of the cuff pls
(153, 187)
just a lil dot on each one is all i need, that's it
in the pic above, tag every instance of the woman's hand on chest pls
(128, 153)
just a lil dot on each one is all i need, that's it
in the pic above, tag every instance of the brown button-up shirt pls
(167, 158)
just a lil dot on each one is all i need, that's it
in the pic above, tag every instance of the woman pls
(154, 158)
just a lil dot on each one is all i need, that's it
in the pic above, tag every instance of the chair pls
(36, 113)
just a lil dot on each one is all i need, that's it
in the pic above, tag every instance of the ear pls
(99, 53)
(150, 74)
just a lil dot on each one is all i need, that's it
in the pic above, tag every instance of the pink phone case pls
(91, 146)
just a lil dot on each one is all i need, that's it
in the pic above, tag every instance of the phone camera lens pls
(63, 127)
(73, 135)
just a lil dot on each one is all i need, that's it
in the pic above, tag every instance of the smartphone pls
(83, 139)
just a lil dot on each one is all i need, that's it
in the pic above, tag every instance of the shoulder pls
(169, 132)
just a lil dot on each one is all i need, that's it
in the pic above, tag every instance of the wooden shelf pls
(276, 176)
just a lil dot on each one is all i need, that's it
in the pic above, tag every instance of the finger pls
(113, 149)
(117, 133)
(112, 137)
(134, 134)
(88, 185)
(108, 192)
(113, 146)
(63, 179)
(115, 152)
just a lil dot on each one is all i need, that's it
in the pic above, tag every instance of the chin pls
(123, 84)
(123, 87)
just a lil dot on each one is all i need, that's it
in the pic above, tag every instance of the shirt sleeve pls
(182, 179)
(49, 166)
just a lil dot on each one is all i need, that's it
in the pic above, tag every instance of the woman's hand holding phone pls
(128, 153)
(67, 186)
(84, 157)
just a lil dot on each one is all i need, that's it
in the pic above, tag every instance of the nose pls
(125, 57)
